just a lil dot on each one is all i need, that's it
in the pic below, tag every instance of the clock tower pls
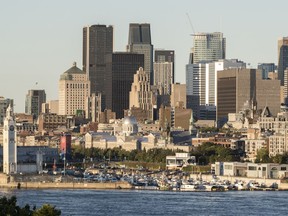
(9, 143)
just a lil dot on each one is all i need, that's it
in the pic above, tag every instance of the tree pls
(8, 206)
(47, 210)
(262, 156)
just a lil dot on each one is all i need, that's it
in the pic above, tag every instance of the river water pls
(137, 203)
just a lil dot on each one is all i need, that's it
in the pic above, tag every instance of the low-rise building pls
(180, 160)
(252, 170)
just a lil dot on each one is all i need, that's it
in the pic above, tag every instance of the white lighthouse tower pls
(9, 143)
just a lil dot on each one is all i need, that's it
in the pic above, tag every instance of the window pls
(252, 168)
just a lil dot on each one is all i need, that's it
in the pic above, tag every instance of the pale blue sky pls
(40, 39)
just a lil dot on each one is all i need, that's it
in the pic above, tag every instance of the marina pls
(141, 179)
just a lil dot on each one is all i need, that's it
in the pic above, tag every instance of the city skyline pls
(44, 38)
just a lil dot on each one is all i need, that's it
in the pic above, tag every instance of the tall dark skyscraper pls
(139, 41)
(282, 58)
(122, 68)
(97, 46)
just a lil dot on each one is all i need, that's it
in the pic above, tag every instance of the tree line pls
(9, 207)
(205, 154)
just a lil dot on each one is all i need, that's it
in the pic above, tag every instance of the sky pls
(39, 40)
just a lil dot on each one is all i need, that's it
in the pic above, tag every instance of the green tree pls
(47, 210)
(9, 207)
(262, 156)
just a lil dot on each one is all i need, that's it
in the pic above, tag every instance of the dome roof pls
(67, 75)
(129, 120)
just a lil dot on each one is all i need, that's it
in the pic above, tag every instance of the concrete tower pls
(9, 143)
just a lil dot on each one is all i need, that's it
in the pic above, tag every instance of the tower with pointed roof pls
(9, 143)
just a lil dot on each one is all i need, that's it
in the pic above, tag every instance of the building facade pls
(97, 47)
(166, 56)
(139, 41)
(201, 80)
(163, 77)
(33, 102)
(266, 68)
(121, 74)
(178, 95)
(208, 47)
(141, 95)
(238, 87)
(74, 89)
(282, 57)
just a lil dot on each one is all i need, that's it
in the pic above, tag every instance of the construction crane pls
(191, 25)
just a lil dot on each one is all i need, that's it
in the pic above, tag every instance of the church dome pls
(129, 125)
(129, 120)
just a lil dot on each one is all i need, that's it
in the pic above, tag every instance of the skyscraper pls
(237, 88)
(139, 41)
(282, 57)
(33, 102)
(208, 47)
(121, 69)
(166, 56)
(163, 77)
(201, 82)
(97, 46)
(74, 89)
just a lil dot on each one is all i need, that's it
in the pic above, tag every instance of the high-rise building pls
(121, 74)
(139, 41)
(9, 143)
(208, 47)
(195, 86)
(201, 81)
(266, 68)
(239, 88)
(163, 77)
(97, 46)
(141, 95)
(33, 102)
(74, 89)
(166, 56)
(4, 103)
(282, 57)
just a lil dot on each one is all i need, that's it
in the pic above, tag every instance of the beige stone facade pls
(178, 95)
(141, 95)
(74, 88)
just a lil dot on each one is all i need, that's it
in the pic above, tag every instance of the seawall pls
(72, 185)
